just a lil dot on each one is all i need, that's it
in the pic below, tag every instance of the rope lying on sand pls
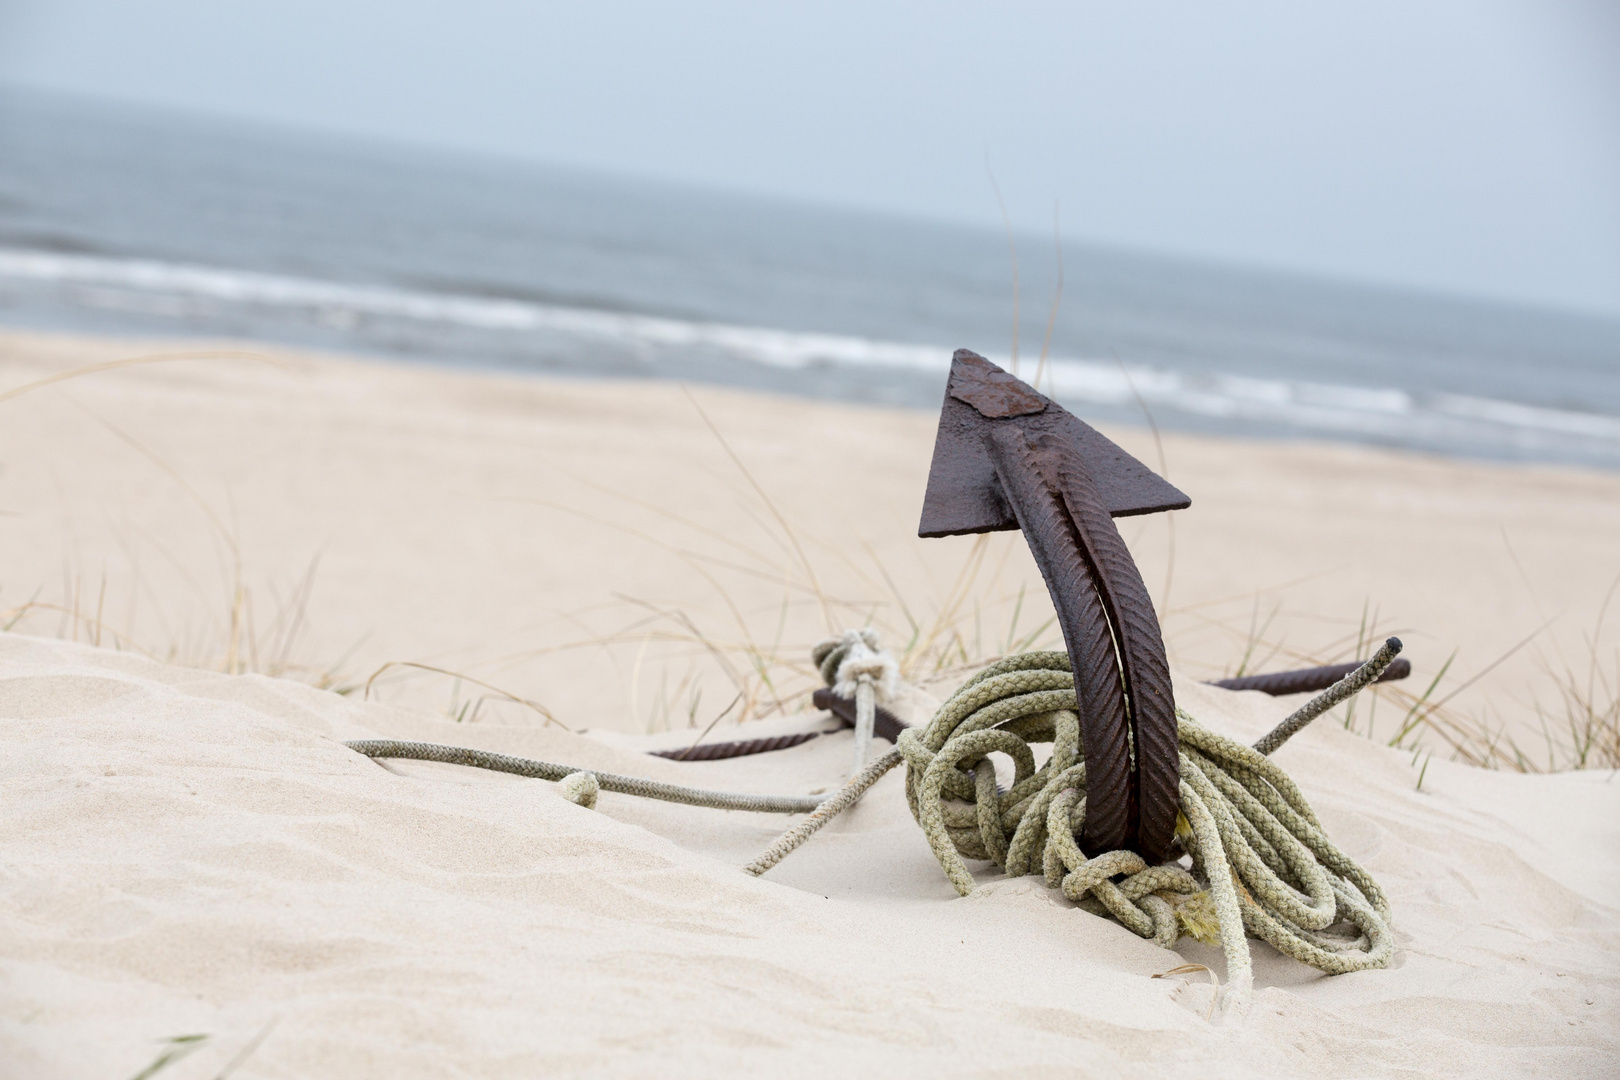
(836, 804)
(1260, 856)
(624, 785)
(1261, 862)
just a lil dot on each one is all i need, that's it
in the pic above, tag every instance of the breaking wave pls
(1441, 421)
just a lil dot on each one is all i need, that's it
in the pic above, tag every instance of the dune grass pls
(239, 638)
(981, 614)
(669, 657)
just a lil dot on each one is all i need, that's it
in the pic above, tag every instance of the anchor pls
(1008, 457)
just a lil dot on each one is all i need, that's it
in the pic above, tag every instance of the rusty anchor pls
(1008, 457)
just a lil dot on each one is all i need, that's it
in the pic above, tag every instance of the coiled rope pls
(1261, 861)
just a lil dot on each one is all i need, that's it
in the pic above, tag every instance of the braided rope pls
(1260, 859)
(1352, 683)
(837, 804)
(625, 785)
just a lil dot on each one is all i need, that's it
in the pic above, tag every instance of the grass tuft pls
(669, 655)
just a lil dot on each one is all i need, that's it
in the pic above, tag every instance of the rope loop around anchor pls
(1259, 859)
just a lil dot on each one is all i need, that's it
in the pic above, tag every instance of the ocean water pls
(118, 220)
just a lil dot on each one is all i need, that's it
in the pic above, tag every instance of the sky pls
(1461, 146)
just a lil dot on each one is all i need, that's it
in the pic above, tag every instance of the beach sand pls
(193, 852)
(498, 525)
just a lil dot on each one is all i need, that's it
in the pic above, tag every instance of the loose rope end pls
(837, 804)
(1347, 687)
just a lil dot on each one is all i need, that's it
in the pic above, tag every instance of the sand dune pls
(196, 853)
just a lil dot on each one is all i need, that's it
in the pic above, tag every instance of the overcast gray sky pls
(1468, 146)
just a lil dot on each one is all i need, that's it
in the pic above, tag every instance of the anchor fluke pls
(964, 495)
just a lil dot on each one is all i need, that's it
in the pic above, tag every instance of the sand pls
(485, 523)
(189, 852)
(194, 852)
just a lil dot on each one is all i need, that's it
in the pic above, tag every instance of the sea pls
(123, 220)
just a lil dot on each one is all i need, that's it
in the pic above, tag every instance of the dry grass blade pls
(1012, 250)
(248, 1050)
(705, 733)
(1164, 471)
(175, 1050)
(76, 618)
(505, 694)
(1057, 299)
(770, 504)
(1581, 731)
(136, 361)
(1193, 969)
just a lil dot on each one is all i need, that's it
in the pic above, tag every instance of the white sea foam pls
(778, 348)
(1385, 414)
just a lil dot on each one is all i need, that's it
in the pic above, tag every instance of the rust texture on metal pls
(993, 392)
(1001, 462)
(1275, 683)
(964, 494)
(741, 748)
(885, 725)
(1308, 680)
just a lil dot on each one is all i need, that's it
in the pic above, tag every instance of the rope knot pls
(580, 788)
(855, 654)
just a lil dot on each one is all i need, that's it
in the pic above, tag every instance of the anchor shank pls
(1156, 761)
(1058, 548)
(1008, 457)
